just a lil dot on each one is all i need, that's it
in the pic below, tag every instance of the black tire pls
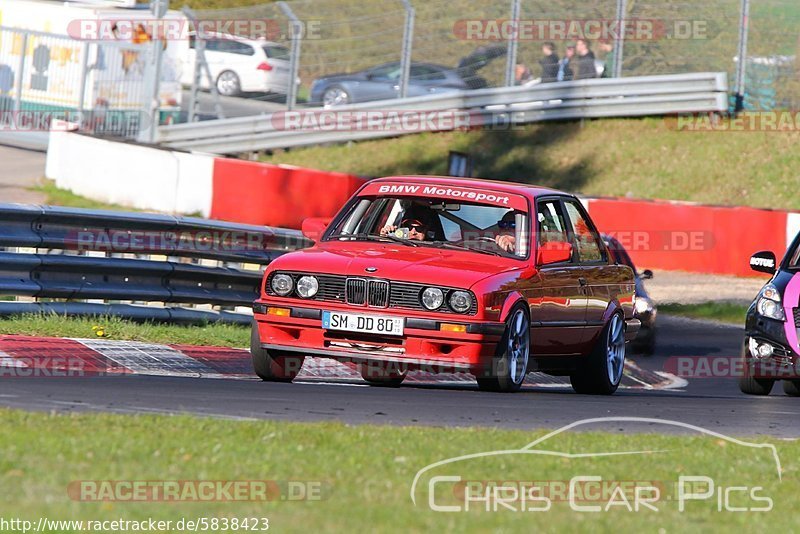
(272, 366)
(791, 388)
(228, 83)
(381, 375)
(750, 384)
(342, 96)
(600, 375)
(512, 356)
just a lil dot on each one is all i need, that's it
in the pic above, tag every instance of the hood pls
(424, 265)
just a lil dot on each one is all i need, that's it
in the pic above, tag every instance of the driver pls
(416, 219)
(507, 239)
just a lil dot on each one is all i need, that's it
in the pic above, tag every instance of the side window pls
(586, 241)
(552, 227)
(425, 73)
(213, 45)
(240, 48)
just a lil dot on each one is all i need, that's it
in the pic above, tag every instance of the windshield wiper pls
(446, 244)
(376, 237)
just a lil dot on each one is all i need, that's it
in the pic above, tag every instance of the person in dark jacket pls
(549, 63)
(584, 62)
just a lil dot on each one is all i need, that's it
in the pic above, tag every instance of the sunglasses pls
(414, 225)
(506, 225)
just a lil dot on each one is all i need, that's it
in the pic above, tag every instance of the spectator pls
(565, 73)
(522, 74)
(609, 58)
(585, 68)
(549, 63)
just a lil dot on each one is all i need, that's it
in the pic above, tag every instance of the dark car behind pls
(646, 310)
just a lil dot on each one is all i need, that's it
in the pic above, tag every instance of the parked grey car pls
(383, 82)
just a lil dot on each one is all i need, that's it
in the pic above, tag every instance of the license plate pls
(367, 324)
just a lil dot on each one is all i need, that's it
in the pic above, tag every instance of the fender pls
(511, 300)
(613, 307)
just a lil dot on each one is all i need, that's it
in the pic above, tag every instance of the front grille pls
(378, 294)
(373, 292)
(796, 312)
(356, 291)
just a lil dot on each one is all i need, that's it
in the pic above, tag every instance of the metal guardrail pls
(99, 255)
(614, 97)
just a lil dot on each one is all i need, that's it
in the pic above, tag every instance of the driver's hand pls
(386, 230)
(506, 242)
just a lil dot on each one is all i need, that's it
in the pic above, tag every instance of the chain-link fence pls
(331, 52)
(357, 51)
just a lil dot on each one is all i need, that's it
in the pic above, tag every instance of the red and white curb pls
(34, 356)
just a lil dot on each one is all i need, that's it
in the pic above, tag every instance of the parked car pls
(445, 274)
(383, 81)
(240, 65)
(771, 351)
(646, 310)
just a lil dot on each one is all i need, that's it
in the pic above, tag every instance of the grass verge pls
(363, 475)
(61, 197)
(726, 312)
(212, 334)
(643, 158)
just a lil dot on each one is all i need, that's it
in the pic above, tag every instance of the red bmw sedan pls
(441, 274)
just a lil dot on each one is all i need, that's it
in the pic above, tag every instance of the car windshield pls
(415, 222)
(794, 257)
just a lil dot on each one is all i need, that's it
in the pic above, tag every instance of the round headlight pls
(460, 301)
(282, 284)
(307, 286)
(432, 298)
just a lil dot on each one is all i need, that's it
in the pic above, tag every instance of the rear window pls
(276, 52)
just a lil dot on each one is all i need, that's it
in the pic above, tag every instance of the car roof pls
(248, 40)
(496, 185)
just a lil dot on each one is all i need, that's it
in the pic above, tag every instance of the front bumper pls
(784, 360)
(422, 346)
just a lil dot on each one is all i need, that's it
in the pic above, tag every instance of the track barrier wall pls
(658, 234)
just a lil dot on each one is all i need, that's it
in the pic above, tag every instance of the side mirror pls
(764, 262)
(314, 227)
(554, 252)
(647, 274)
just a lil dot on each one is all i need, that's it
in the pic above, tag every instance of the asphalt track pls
(712, 403)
